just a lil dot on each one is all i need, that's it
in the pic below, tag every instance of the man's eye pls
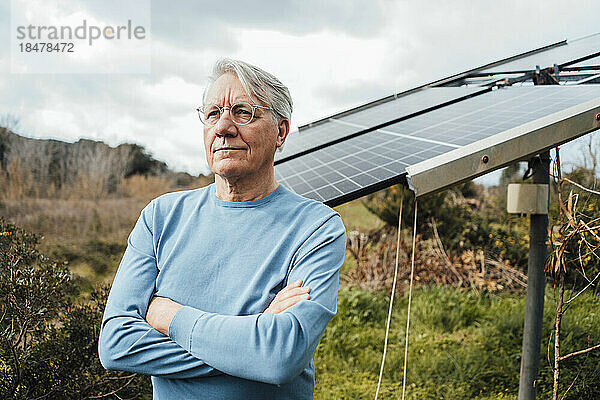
(242, 111)
(212, 114)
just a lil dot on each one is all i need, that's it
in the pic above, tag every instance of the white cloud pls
(332, 55)
(308, 63)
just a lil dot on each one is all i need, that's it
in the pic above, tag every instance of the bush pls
(465, 219)
(48, 339)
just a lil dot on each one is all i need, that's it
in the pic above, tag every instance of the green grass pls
(462, 346)
(92, 261)
(356, 216)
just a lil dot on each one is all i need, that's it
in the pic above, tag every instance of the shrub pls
(465, 219)
(48, 340)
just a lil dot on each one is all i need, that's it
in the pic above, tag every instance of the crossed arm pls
(162, 310)
(272, 347)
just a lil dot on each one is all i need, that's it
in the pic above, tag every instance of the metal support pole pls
(536, 282)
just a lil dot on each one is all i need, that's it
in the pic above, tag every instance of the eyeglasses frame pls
(200, 111)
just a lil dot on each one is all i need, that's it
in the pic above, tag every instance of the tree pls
(575, 246)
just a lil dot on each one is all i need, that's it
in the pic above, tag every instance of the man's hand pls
(287, 297)
(161, 312)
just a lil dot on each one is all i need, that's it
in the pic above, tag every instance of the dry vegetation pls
(374, 253)
(475, 244)
(81, 222)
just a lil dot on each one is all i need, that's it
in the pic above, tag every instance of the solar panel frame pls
(590, 62)
(497, 151)
(572, 52)
(578, 53)
(443, 82)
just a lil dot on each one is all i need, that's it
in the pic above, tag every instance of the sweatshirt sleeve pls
(266, 347)
(127, 342)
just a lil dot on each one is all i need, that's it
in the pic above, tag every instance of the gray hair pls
(256, 82)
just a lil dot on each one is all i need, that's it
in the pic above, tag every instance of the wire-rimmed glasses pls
(242, 113)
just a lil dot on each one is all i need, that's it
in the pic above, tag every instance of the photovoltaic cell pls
(477, 118)
(314, 136)
(357, 121)
(359, 165)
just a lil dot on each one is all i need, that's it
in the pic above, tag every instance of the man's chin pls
(230, 169)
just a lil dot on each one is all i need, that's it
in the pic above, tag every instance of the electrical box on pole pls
(527, 198)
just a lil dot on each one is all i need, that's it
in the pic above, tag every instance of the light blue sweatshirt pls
(225, 262)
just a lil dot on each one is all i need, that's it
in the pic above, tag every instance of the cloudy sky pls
(332, 54)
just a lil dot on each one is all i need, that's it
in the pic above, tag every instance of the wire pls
(412, 275)
(389, 318)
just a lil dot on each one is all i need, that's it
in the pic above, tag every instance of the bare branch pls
(114, 392)
(443, 254)
(581, 186)
(548, 352)
(570, 386)
(583, 290)
(576, 353)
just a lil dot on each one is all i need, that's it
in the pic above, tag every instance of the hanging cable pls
(412, 275)
(389, 318)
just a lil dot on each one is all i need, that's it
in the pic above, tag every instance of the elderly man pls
(224, 291)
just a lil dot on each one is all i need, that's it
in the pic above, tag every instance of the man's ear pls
(283, 128)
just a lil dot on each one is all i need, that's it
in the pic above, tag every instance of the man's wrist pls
(161, 312)
(182, 326)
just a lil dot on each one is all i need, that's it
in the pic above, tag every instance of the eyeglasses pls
(242, 113)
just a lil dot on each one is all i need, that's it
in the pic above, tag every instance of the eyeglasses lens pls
(241, 113)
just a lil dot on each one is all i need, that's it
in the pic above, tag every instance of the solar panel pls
(561, 55)
(366, 163)
(363, 119)
(476, 119)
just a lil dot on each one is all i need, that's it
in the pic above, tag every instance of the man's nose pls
(225, 125)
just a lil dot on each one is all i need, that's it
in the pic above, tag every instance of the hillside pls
(55, 165)
(83, 197)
